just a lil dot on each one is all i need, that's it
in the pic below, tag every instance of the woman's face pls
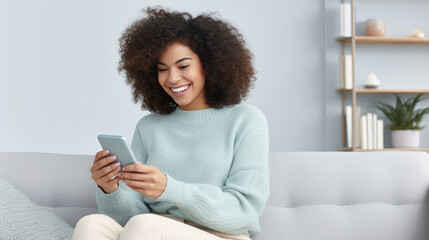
(182, 76)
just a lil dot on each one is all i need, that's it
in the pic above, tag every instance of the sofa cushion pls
(20, 218)
(347, 195)
(62, 180)
(348, 178)
(375, 221)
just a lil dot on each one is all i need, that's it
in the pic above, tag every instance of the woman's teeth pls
(180, 89)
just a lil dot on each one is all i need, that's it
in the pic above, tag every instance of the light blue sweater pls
(216, 162)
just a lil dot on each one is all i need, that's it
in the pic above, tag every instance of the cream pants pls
(145, 227)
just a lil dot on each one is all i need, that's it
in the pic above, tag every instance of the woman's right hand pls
(103, 173)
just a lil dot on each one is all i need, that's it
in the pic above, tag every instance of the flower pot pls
(405, 138)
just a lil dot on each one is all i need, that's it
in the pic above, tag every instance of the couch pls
(314, 195)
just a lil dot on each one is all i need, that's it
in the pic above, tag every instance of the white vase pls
(405, 138)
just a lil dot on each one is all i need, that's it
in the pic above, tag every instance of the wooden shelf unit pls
(384, 91)
(384, 40)
(385, 149)
(352, 41)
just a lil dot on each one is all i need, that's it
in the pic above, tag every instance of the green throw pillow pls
(20, 218)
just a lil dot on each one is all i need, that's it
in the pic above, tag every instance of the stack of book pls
(346, 71)
(370, 130)
(346, 20)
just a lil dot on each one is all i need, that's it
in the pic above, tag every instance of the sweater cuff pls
(107, 200)
(174, 192)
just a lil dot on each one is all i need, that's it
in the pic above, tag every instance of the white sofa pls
(314, 195)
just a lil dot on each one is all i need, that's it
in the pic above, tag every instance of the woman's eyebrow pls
(183, 59)
(178, 61)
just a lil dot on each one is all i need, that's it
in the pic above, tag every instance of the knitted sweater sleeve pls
(236, 207)
(124, 203)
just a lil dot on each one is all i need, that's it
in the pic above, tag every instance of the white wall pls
(59, 87)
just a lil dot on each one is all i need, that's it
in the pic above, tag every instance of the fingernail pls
(106, 151)
(123, 169)
(113, 157)
(117, 164)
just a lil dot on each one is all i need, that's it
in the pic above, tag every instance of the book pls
(345, 20)
(349, 125)
(342, 76)
(357, 125)
(374, 131)
(370, 132)
(363, 132)
(346, 71)
(380, 134)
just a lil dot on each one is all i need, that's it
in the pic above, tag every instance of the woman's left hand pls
(145, 179)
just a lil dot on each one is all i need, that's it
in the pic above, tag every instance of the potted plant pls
(405, 121)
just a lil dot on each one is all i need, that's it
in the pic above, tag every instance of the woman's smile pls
(180, 91)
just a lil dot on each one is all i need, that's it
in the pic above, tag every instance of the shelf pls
(386, 149)
(385, 40)
(348, 70)
(385, 91)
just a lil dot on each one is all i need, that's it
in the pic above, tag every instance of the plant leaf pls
(404, 116)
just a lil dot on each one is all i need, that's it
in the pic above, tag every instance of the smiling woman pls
(181, 75)
(202, 170)
(216, 44)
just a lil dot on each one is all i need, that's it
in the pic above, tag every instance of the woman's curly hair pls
(220, 47)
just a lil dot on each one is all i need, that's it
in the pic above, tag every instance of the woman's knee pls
(148, 220)
(144, 226)
(96, 226)
(93, 219)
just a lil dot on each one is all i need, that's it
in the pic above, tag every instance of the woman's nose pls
(174, 77)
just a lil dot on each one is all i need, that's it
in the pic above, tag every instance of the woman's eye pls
(162, 69)
(183, 67)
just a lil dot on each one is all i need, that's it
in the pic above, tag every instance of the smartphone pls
(118, 146)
